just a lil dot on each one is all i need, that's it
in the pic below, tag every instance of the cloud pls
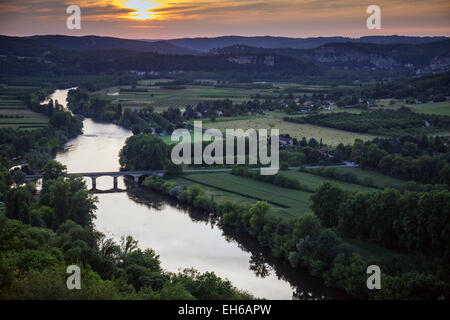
(209, 17)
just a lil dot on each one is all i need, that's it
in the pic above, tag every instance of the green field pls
(13, 111)
(329, 136)
(442, 108)
(287, 202)
(380, 180)
(314, 181)
(162, 98)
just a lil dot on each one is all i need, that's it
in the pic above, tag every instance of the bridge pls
(137, 175)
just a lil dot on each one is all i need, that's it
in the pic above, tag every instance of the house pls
(305, 109)
(285, 140)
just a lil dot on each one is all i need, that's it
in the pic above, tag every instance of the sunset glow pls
(142, 9)
(163, 19)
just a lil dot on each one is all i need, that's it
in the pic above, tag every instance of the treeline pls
(429, 88)
(380, 122)
(304, 242)
(96, 108)
(144, 120)
(148, 151)
(40, 237)
(336, 174)
(277, 179)
(412, 222)
(226, 108)
(423, 168)
(37, 146)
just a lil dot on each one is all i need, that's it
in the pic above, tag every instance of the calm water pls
(183, 238)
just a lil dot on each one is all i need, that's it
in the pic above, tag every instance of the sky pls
(160, 19)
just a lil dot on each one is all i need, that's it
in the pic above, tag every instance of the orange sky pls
(160, 19)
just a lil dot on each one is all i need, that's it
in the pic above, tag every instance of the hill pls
(206, 44)
(106, 43)
(432, 56)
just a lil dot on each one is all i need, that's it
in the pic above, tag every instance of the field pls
(147, 92)
(442, 108)
(381, 181)
(13, 112)
(162, 98)
(314, 181)
(330, 136)
(287, 202)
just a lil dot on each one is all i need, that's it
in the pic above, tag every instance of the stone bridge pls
(137, 175)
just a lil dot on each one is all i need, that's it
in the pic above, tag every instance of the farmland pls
(13, 112)
(314, 181)
(441, 108)
(288, 202)
(380, 180)
(154, 93)
(329, 136)
(147, 94)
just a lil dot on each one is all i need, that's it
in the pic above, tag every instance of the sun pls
(142, 9)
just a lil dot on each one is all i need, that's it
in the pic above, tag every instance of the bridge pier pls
(136, 179)
(94, 183)
(115, 183)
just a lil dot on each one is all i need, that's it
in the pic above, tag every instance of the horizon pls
(227, 36)
(160, 19)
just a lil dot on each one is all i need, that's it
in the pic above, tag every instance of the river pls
(183, 238)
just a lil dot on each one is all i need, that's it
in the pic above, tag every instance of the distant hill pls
(22, 46)
(206, 44)
(106, 43)
(432, 56)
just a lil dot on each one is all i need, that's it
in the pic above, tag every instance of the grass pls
(330, 136)
(286, 202)
(314, 181)
(380, 180)
(162, 98)
(14, 111)
(441, 108)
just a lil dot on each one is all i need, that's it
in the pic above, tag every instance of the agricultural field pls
(14, 113)
(287, 202)
(442, 108)
(146, 94)
(330, 136)
(221, 195)
(380, 180)
(314, 181)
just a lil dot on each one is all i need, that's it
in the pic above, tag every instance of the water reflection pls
(183, 237)
(282, 282)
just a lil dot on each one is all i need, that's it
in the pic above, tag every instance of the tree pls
(313, 143)
(53, 170)
(173, 170)
(144, 152)
(18, 204)
(59, 199)
(307, 224)
(19, 177)
(136, 130)
(258, 212)
(326, 202)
